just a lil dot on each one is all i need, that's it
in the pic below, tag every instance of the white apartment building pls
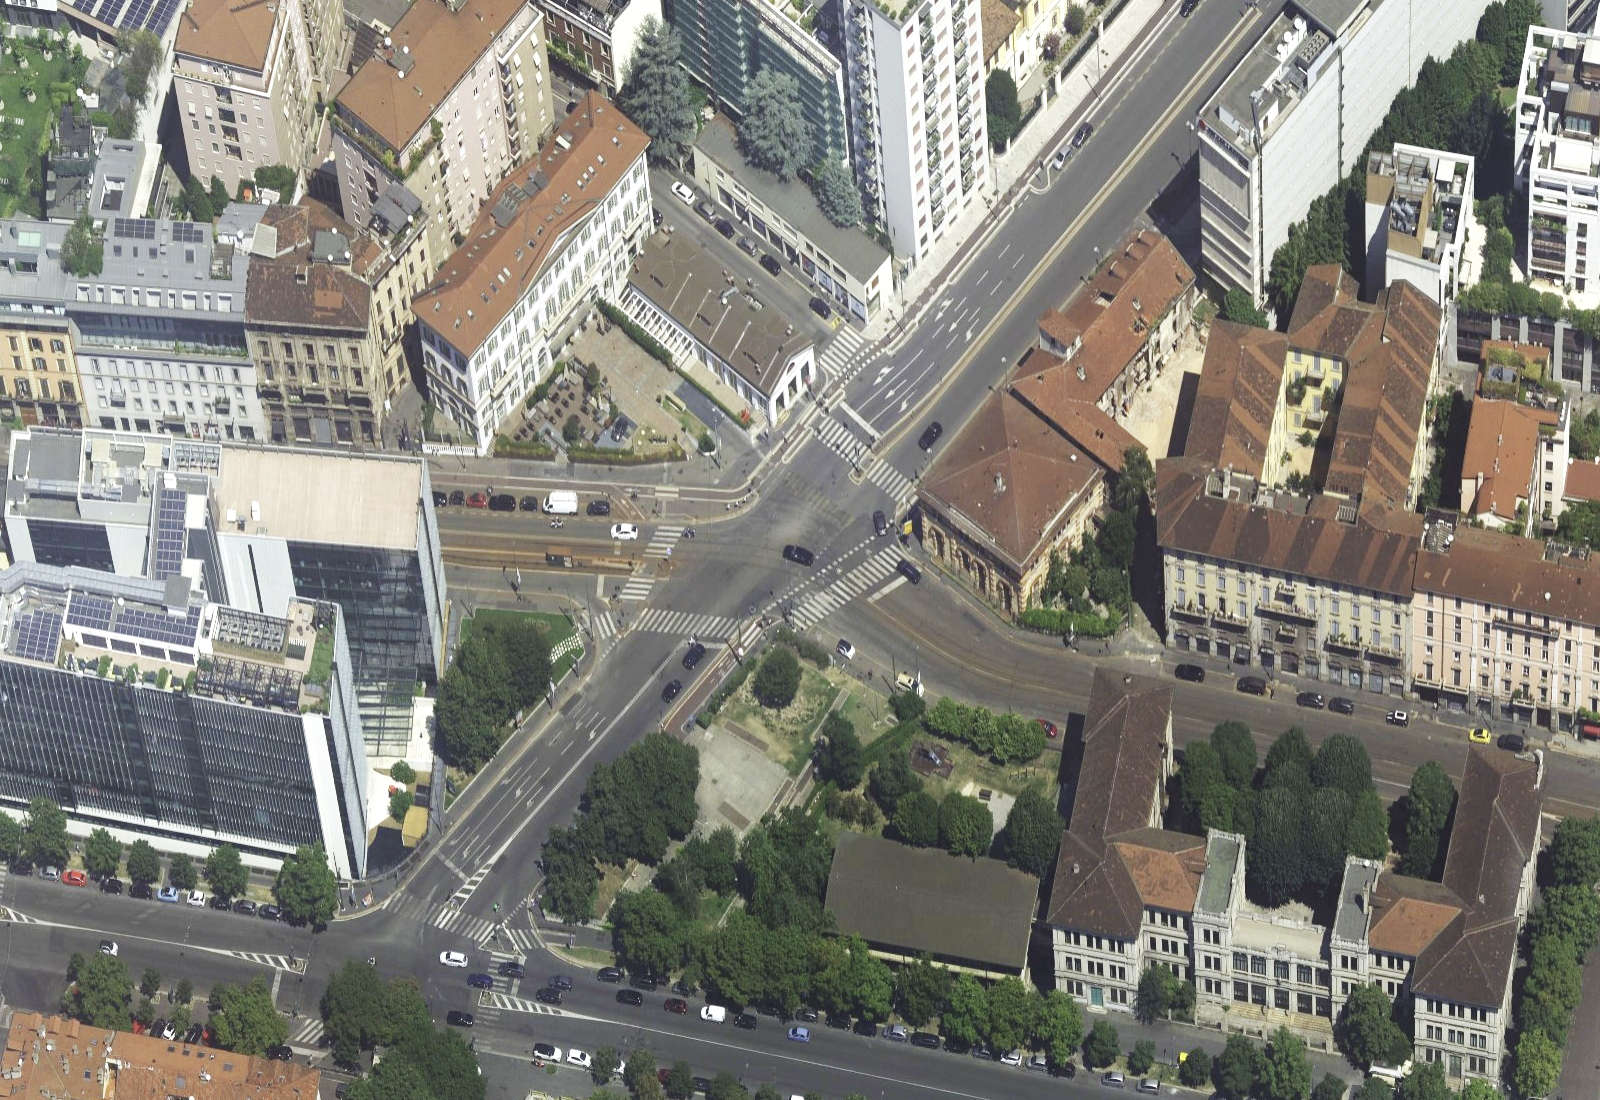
(1558, 157)
(914, 77)
(1570, 15)
(458, 96)
(1418, 220)
(1291, 118)
(244, 86)
(560, 231)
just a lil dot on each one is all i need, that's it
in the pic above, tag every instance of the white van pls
(561, 502)
(906, 682)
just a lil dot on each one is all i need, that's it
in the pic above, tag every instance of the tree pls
(245, 1020)
(225, 873)
(1476, 1088)
(144, 865)
(1075, 19)
(1567, 915)
(1117, 537)
(836, 194)
(181, 872)
(1424, 1082)
(773, 134)
(1005, 112)
(890, 779)
(916, 819)
(1331, 1087)
(1551, 989)
(1275, 860)
(1135, 481)
(401, 772)
(1373, 1088)
(648, 933)
(965, 825)
(100, 991)
(572, 430)
(1011, 1013)
(1575, 852)
(784, 865)
(1285, 1072)
(1032, 833)
(218, 194)
(965, 1010)
(1342, 762)
(655, 94)
(44, 834)
(279, 178)
(1200, 775)
(725, 1086)
(1195, 1069)
(1236, 752)
(1323, 829)
(1100, 1046)
(1234, 1071)
(1365, 1031)
(1060, 1027)
(183, 992)
(636, 805)
(150, 982)
(641, 1067)
(196, 202)
(839, 753)
(144, 52)
(1240, 308)
(920, 990)
(1153, 995)
(1429, 803)
(400, 805)
(1537, 1067)
(855, 981)
(1368, 833)
(306, 886)
(604, 1065)
(777, 678)
(82, 250)
(571, 879)
(102, 853)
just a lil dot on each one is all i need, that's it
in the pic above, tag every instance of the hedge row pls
(1050, 620)
(650, 344)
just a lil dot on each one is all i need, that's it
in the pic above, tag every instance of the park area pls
(36, 77)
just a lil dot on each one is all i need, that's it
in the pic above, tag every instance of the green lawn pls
(21, 146)
(555, 628)
(787, 733)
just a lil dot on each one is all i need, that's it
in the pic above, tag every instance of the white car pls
(845, 649)
(625, 532)
(452, 958)
(714, 1014)
(682, 191)
(196, 898)
(579, 1058)
(109, 947)
(1011, 1058)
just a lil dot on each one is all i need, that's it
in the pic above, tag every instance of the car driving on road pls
(624, 532)
(799, 555)
(452, 958)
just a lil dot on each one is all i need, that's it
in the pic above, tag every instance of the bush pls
(735, 681)
(1195, 1070)
(572, 430)
(907, 705)
(401, 772)
(1050, 620)
(815, 652)
(399, 805)
(778, 678)
(1141, 1057)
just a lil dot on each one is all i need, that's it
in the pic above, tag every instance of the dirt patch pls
(785, 734)
(931, 759)
(1156, 405)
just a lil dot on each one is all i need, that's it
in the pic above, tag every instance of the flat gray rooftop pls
(1216, 882)
(1350, 917)
(1332, 14)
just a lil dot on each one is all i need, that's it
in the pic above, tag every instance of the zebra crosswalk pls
(659, 620)
(664, 538)
(637, 588)
(840, 355)
(852, 584)
(492, 999)
(849, 446)
(483, 931)
(286, 963)
(602, 625)
(12, 916)
(308, 1034)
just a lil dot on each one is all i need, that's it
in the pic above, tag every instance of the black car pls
(548, 996)
(220, 904)
(821, 308)
(458, 497)
(706, 210)
(725, 227)
(1340, 705)
(746, 1020)
(1192, 673)
(770, 262)
(270, 912)
(806, 1015)
(1311, 699)
(512, 970)
(838, 1021)
(142, 891)
(458, 1019)
(655, 217)
(630, 997)
(865, 1027)
(909, 572)
(645, 982)
(702, 1085)
(280, 1053)
(1252, 685)
(693, 656)
(1082, 135)
(1065, 1069)
(599, 508)
(111, 886)
(195, 1033)
(880, 523)
(670, 692)
(607, 974)
(502, 502)
(440, 499)
(930, 435)
(799, 555)
(529, 504)
(956, 1045)
(1186, 9)
(1513, 742)
(245, 906)
(926, 1039)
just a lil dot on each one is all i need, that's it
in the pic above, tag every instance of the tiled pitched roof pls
(1011, 475)
(1583, 480)
(1376, 552)
(1237, 397)
(998, 23)
(1409, 913)
(1165, 866)
(1505, 570)
(1079, 419)
(235, 32)
(1502, 447)
(288, 287)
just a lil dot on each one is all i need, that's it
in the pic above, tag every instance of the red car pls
(676, 1004)
(1049, 728)
(74, 878)
(478, 500)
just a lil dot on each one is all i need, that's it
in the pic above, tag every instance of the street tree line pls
(361, 1013)
(640, 1076)
(100, 993)
(501, 668)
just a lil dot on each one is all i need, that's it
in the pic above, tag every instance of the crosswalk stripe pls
(276, 962)
(638, 588)
(309, 1033)
(660, 620)
(662, 541)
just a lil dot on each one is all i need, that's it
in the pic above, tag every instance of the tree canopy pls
(102, 853)
(245, 1019)
(144, 865)
(636, 805)
(836, 194)
(655, 93)
(777, 678)
(226, 873)
(502, 666)
(1428, 806)
(1366, 1032)
(1004, 109)
(1032, 833)
(44, 834)
(100, 991)
(774, 134)
(306, 886)
(838, 755)
(965, 825)
(82, 250)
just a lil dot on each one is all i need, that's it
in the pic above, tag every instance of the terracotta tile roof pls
(1083, 422)
(443, 45)
(1504, 570)
(1388, 349)
(55, 1058)
(1145, 269)
(1409, 913)
(550, 196)
(998, 23)
(237, 32)
(1012, 476)
(1165, 866)
(1583, 480)
(1237, 397)
(1502, 448)
(1295, 535)
(286, 286)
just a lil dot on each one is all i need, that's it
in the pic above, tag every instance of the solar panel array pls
(169, 534)
(158, 626)
(90, 611)
(188, 233)
(132, 15)
(134, 229)
(38, 636)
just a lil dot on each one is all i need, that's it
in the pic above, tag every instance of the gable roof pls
(1011, 476)
(1165, 866)
(1237, 397)
(289, 286)
(1583, 479)
(235, 32)
(1505, 570)
(1079, 419)
(1502, 448)
(1409, 913)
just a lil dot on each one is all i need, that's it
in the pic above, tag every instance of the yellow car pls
(1479, 736)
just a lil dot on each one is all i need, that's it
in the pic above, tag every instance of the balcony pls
(1287, 610)
(1383, 654)
(1188, 612)
(1338, 643)
(1227, 621)
(1286, 635)
(1505, 622)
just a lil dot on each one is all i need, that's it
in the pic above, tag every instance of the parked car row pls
(145, 891)
(507, 502)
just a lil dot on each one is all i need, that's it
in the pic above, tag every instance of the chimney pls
(999, 484)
